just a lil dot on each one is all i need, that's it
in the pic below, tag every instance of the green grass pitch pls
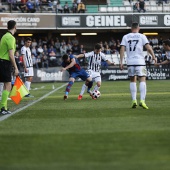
(102, 134)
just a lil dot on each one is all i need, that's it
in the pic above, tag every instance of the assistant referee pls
(7, 49)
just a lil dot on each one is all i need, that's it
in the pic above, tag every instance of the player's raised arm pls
(80, 56)
(122, 52)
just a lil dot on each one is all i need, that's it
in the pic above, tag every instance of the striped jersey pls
(134, 43)
(94, 60)
(26, 52)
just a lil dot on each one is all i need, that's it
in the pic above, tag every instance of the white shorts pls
(96, 77)
(30, 72)
(137, 71)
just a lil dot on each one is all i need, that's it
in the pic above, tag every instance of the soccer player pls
(133, 44)
(94, 65)
(7, 49)
(71, 64)
(166, 47)
(27, 64)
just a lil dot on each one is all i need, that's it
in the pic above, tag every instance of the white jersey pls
(134, 43)
(26, 52)
(95, 60)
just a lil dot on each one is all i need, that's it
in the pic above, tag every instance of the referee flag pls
(18, 91)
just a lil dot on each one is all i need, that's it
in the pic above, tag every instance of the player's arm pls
(122, 53)
(73, 62)
(12, 59)
(24, 63)
(110, 63)
(150, 50)
(80, 56)
(162, 63)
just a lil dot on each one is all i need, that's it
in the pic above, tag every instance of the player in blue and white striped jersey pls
(27, 63)
(94, 66)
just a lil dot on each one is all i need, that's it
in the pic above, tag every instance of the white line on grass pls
(20, 109)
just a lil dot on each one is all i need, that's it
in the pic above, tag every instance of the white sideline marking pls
(20, 109)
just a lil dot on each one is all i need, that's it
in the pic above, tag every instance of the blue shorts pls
(81, 74)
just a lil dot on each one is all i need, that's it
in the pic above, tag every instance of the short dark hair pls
(11, 24)
(65, 57)
(135, 25)
(97, 46)
(28, 39)
(167, 42)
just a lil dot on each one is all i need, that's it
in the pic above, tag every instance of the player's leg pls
(83, 88)
(28, 85)
(98, 81)
(141, 72)
(28, 79)
(133, 88)
(142, 89)
(68, 87)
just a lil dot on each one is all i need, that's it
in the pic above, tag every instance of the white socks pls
(28, 84)
(96, 87)
(142, 89)
(83, 89)
(133, 90)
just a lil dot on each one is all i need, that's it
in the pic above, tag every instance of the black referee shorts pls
(5, 70)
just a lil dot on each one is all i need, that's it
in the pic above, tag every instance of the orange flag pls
(18, 91)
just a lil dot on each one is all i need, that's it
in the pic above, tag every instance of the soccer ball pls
(96, 94)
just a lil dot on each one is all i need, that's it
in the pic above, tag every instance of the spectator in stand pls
(45, 50)
(107, 50)
(22, 5)
(113, 48)
(74, 6)
(34, 43)
(57, 45)
(59, 8)
(30, 7)
(111, 42)
(150, 42)
(154, 41)
(40, 42)
(160, 41)
(69, 46)
(157, 49)
(40, 50)
(75, 41)
(22, 42)
(34, 51)
(51, 49)
(37, 4)
(75, 49)
(63, 42)
(82, 50)
(118, 46)
(66, 8)
(141, 6)
(44, 61)
(63, 49)
(81, 7)
(38, 61)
